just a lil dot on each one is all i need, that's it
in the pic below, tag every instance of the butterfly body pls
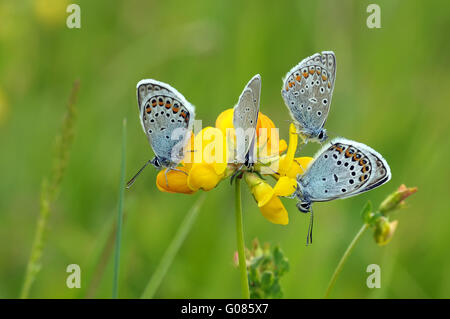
(245, 119)
(307, 92)
(167, 119)
(341, 169)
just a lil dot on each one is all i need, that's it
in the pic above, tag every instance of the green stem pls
(115, 291)
(344, 257)
(240, 241)
(171, 252)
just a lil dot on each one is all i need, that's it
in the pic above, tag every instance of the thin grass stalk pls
(169, 255)
(50, 190)
(115, 291)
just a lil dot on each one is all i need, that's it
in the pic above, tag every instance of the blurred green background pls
(391, 93)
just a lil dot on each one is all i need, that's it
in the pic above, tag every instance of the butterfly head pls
(304, 206)
(319, 136)
(159, 162)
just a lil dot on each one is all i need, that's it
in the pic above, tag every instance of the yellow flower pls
(176, 181)
(207, 162)
(269, 204)
(204, 165)
(267, 139)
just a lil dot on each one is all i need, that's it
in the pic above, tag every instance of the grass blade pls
(115, 291)
(172, 250)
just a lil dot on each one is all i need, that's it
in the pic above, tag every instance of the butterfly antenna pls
(131, 181)
(310, 229)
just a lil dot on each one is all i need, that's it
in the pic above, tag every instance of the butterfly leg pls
(165, 175)
(310, 229)
(172, 169)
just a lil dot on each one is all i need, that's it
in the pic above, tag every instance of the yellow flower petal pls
(298, 166)
(282, 146)
(176, 181)
(261, 191)
(275, 212)
(285, 186)
(225, 120)
(203, 176)
(287, 159)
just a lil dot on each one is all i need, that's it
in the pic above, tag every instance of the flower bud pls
(395, 200)
(384, 230)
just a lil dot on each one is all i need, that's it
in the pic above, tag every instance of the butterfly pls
(342, 169)
(166, 118)
(245, 119)
(307, 92)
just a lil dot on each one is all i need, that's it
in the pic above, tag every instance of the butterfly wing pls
(245, 117)
(308, 89)
(343, 169)
(166, 117)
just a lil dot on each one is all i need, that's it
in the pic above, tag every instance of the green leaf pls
(266, 280)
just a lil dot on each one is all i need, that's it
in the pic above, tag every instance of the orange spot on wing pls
(311, 71)
(324, 77)
(318, 72)
(148, 109)
(305, 74)
(161, 103)
(298, 78)
(329, 84)
(168, 105)
(175, 109)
